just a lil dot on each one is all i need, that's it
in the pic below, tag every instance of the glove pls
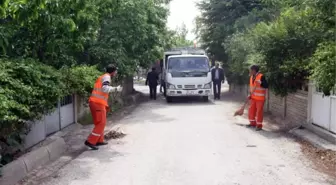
(116, 89)
(119, 88)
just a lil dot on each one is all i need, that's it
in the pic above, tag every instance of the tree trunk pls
(128, 86)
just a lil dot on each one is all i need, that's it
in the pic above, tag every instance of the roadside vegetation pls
(292, 40)
(50, 49)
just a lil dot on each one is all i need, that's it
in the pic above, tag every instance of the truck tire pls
(205, 98)
(169, 99)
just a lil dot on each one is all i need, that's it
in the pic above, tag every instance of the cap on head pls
(110, 68)
(255, 68)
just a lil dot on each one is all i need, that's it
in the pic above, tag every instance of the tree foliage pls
(324, 67)
(29, 90)
(53, 48)
(133, 35)
(283, 37)
(178, 37)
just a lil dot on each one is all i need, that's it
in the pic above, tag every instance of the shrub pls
(80, 79)
(28, 91)
(324, 67)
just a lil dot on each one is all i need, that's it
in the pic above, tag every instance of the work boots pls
(101, 143)
(93, 147)
(253, 124)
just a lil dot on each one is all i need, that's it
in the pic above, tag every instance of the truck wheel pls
(205, 98)
(169, 99)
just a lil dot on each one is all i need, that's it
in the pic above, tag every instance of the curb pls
(321, 132)
(18, 169)
(312, 138)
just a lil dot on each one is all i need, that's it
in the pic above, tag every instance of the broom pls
(240, 111)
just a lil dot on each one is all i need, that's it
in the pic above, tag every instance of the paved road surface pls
(190, 143)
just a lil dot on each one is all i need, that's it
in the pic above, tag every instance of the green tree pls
(281, 36)
(179, 37)
(51, 31)
(52, 48)
(218, 22)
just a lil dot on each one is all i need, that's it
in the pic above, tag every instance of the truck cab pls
(186, 72)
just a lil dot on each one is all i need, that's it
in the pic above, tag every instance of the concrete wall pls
(78, 111)
(49, 124)
(297, 107)
(37, 134)
(293, 108)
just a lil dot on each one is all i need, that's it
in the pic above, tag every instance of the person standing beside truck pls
(258, 89)
(217, 75)
(152, 82)
(98, 103)
(161, 82)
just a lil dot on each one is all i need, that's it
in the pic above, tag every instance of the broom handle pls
(246, 102)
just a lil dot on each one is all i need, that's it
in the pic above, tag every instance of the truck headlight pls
(207, 86)
(170, 86)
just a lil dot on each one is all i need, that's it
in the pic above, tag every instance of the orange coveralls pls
(98, 107)
(256, 109)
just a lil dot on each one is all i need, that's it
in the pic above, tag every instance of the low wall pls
(61, 117)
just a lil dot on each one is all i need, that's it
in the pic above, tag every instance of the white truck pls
(186, 72)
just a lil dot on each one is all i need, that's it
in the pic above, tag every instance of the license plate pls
(190, 92)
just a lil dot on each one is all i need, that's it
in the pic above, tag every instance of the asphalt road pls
(190, 143)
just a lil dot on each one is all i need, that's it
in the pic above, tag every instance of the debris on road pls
(114, 134)
(324, 160)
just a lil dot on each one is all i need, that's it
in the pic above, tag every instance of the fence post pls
(59, 114)
(311, 90)
(75, 101)
(266, 108)
(284, 102)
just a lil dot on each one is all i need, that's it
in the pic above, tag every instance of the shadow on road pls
(187, 101)
(227, 96)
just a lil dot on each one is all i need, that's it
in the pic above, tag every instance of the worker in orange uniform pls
(258, 88)
(98, 103)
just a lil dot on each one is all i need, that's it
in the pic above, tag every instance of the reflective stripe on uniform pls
(258, 94)
(255, 84)
(257, 89)
(99, 96)
(98, 89)
(95, 134)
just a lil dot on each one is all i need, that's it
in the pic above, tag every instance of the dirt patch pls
(114, 134)
(323, 160)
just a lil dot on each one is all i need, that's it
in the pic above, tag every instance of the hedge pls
(30, 90)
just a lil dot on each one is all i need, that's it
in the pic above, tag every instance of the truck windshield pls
(181, 64)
